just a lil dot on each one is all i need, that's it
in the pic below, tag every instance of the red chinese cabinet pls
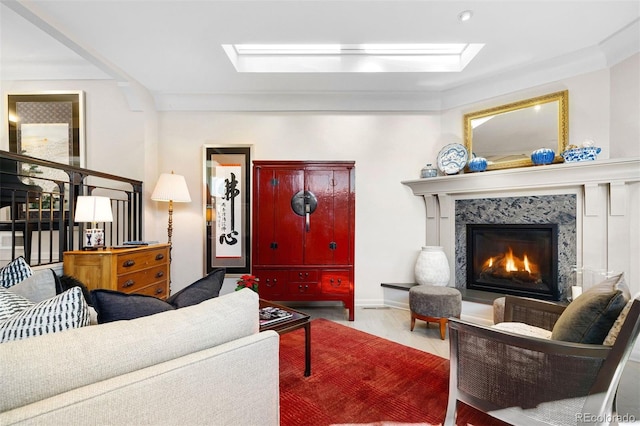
(303, 230)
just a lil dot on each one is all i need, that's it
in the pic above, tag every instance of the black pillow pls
(65, 282)
(115, 306)
(205, 288)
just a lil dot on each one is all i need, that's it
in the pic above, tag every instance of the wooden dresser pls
(141, 270)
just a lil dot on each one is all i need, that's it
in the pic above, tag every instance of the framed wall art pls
(48, 125)
(227, 212)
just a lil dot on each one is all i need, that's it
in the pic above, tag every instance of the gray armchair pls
(532, 381)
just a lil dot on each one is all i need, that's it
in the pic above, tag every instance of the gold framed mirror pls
(506, 135)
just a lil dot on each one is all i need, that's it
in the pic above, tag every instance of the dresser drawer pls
(139, 260)
(158, 290)
(302, 288)
(335, 282)
(273, 282)
(132, 282)
(303, 275)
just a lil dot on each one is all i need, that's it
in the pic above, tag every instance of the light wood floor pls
(393, 324)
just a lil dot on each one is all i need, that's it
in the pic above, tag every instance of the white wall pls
(387, 148)
(625, 108)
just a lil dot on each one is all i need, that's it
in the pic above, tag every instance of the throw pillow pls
(14, 272)
(38, 287)
(589, 317)
(617, 325)
(205, 288)
(115, 306)
(62, 312)
(11, 304)
(65, 282)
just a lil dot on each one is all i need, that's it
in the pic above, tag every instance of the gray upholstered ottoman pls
(434, 304)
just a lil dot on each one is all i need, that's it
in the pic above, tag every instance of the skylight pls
(290, 58)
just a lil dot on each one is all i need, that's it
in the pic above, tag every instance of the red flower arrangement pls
(248, 281)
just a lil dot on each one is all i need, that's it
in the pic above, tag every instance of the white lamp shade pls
(171, 187)
(93, 209)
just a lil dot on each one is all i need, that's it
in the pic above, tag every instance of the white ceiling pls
(173, 49)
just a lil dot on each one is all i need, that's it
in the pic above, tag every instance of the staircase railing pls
(37, 208)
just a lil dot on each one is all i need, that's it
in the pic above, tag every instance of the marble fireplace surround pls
(559, 209)
(607, 207)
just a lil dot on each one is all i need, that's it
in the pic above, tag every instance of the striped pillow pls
(14, 272)
(12, 303)
(65, 311)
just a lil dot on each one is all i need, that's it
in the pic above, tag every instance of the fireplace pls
(517, 259)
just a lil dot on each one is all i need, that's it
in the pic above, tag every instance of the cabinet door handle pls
(128, 263)
(128, 283)
(159, 274)
(159, 256)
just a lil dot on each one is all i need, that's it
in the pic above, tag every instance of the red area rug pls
(360, 378)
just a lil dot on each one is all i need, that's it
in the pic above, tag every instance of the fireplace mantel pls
(618, 171)
(607, 210)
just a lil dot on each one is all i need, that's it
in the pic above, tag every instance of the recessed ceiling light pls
(465, 15)
(411, 57)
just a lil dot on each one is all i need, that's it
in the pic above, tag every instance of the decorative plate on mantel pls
(452, 158)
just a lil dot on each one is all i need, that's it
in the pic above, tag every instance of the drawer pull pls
(159, 274)
(334, 284)
(128, 283)
(271, 284)
(159, 256)
(159, 290)
(128, 263)
(303, 289)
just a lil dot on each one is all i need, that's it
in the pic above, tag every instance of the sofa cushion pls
(589, 317)
(115, 306)
(51, 365)
(14, 272)
(524, 329)
(38, 287)
(205, 288)
(62, 312)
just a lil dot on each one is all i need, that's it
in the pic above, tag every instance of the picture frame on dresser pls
(227, 207)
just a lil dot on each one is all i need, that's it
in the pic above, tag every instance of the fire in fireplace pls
(513, 259)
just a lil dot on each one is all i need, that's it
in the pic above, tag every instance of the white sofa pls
(199, 365)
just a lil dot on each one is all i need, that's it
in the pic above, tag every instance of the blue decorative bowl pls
(581, 154)
(542, 156)
(478, 164)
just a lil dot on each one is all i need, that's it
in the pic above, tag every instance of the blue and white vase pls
(478, 164)
(542, 156)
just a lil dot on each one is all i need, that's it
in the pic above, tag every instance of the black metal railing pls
(37, 205)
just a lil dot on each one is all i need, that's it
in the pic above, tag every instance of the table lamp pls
(171, 188)
(93, 209)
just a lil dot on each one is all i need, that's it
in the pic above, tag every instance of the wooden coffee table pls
(298, 320)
